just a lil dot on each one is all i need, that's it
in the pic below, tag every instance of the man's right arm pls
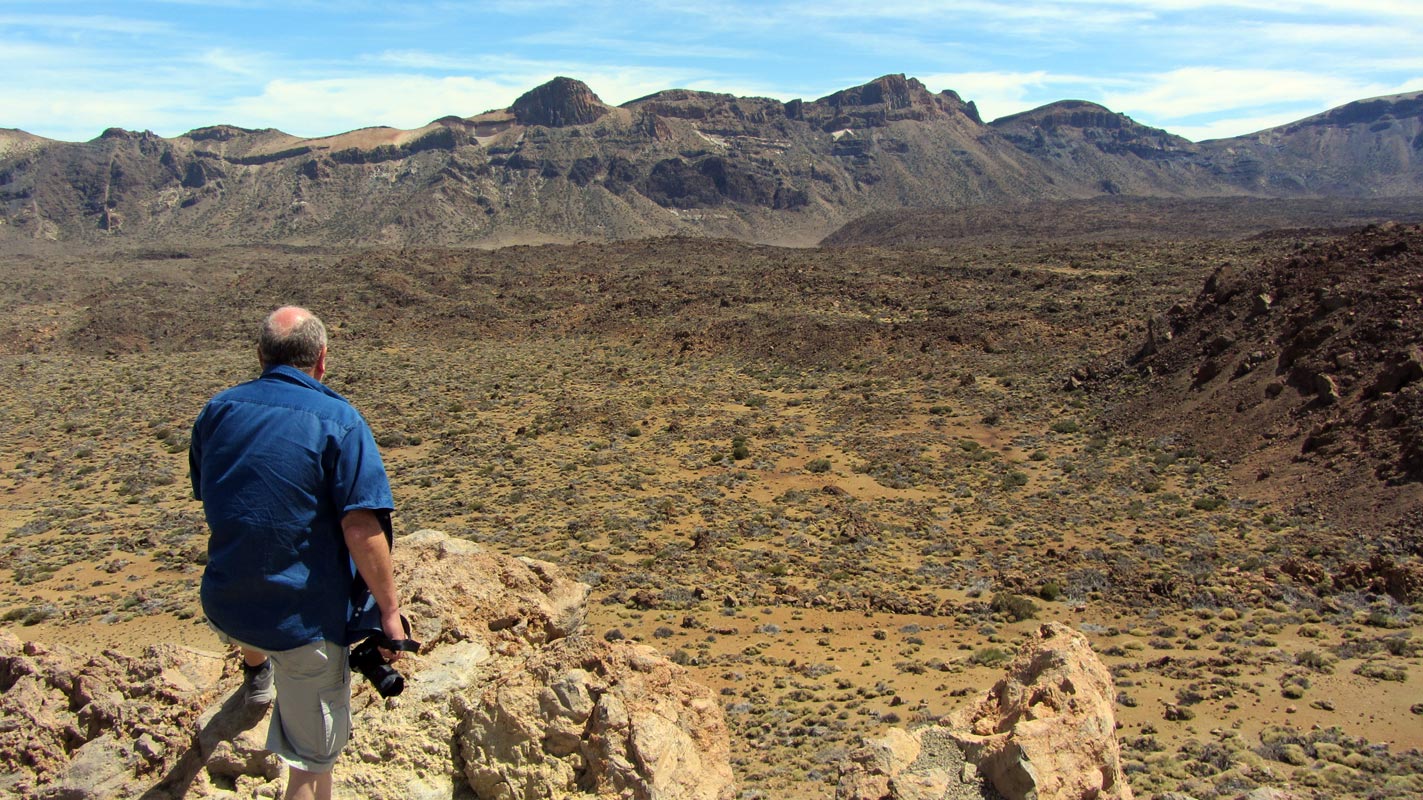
(369, 549)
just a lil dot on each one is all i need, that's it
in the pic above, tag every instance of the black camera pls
(366, 659)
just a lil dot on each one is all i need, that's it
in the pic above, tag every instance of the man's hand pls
(366, 541)
(390, 622)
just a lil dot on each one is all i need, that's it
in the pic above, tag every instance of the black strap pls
(406, 645)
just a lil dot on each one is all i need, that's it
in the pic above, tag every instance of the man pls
(294, 491)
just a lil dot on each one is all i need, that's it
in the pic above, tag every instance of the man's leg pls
(303, 785)
(257, 677)
(253, 658)
(311, 721)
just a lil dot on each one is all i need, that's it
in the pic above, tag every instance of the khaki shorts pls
(311, 719)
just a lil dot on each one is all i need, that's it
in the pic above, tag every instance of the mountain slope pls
(1303, 371)
(560, 164)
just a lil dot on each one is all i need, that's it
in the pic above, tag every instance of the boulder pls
(585, 717)
(925, 764)
(1048, 730)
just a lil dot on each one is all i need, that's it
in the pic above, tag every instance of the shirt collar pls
(290, 374)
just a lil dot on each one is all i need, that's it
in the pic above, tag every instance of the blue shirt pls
(277, 462)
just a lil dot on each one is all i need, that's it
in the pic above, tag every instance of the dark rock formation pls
(561, 102)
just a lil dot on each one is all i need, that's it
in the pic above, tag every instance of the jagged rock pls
(1047, 730)
(924, 764)
(72, 723)
(1404, 368)
(460, 590)
(1327, 388)
(1158, 333)
(584, 717)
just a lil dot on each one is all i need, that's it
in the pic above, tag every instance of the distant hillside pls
(561, 165)
(1118, 217)
(1303, 370)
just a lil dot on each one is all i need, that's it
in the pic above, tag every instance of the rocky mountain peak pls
(887, 99)
(560, 103)
(1068, 114)
(1378, 111)
(891, 91)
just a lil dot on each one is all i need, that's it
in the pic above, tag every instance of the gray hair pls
(297, 346)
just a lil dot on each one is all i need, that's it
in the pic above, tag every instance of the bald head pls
(292, 336)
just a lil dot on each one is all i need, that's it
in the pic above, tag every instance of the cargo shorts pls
(311, 718)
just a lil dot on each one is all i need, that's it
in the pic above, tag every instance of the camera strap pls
(406, 645)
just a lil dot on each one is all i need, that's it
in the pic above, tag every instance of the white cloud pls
(236, 63)
(315, 108)
(1192, 91)
(68, 24)
(1000, 94)
(1231, 127)
(79, 115)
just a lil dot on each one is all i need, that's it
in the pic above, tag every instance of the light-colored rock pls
(1268, 793)
(459, 590)
(1048, 730)
(102, 768)
(77, 725)
(924, 764)
(584, 717)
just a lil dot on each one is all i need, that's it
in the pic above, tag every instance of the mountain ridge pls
(561, 165)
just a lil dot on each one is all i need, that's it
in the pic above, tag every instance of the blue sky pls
(1199, 68)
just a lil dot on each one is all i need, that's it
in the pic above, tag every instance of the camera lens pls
(365, 659)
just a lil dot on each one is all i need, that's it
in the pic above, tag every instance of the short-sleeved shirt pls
(277, 462)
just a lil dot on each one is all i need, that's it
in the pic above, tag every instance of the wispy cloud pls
(1182, 93)
(325, 107)
(69, 24)
(316, 67)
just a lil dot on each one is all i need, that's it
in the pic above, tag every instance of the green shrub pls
(989, 656)
(1019, 608)
(1015, 479)
(1380, 671)
(1066, 426)
(818, 465)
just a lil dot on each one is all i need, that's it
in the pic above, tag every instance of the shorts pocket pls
(336, 717)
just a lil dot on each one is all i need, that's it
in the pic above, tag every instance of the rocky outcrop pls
(1047, 731)
(1318, 352)
(506, 700)
(585, 716)
(103, 726)
(562, 102)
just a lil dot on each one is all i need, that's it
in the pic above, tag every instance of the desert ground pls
(839, 485)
